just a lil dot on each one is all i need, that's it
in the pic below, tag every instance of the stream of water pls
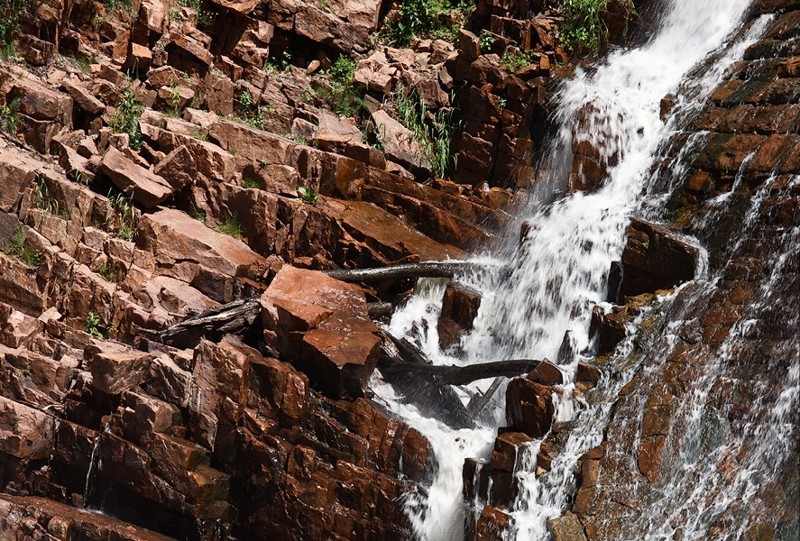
(559, 270)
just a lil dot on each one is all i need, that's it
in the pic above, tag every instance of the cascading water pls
(559, 270)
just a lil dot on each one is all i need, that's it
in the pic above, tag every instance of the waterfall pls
(559, 269)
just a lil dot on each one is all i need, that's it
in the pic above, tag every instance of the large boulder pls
(321, 325)
(188, 250)
(147, 188)
(655, 258)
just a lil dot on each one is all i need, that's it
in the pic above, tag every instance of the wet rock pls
(546, 373)
(529, 407)
(655, 258)
(507, 448)
(608, 329)
(30, 517)
(491, 524)
(147, 188)
(322, 326)
(588, 374)
(566, 528)
(459, 308)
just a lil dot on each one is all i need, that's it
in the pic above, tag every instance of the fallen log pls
(439, 375)
(427, 269)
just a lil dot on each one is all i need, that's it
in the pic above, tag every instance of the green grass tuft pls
(231, 227)
(19, 248)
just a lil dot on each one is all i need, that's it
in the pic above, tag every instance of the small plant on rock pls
(9, 116)
(308, 195)
(126, 213)
(231, 227)
(487, 40)
(9, 24)
(340, 92)
(19, 248)
(116, 6)
(512, 60)
(108, 271)
(126, 118)
(90, 324)
(251, 182)
(46, 202)
(426, 19)
(434, 133)
(197, 214)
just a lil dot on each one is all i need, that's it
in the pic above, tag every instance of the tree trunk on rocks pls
(427, 269)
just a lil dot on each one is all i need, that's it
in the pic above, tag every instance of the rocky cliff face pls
(159, 159)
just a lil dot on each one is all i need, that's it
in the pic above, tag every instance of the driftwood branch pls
(428, 269)
(227, 318)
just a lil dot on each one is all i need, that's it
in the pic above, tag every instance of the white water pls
(560, 270)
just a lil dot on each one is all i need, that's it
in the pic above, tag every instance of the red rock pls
(115, 367)
(587, 373)
(25, 432)
(529, 407)
(649, 456)
(22, 515)
(655, 258)
(147, 188)
(41, 103)
(491, 524)
(507, 447)
(400, 143)
(188, 250)
(566, 528)
(546, 373)
(459, 309)
(323, 328)
(609, 329)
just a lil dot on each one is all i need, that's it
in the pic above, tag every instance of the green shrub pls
(197, 214)
(9, 116)
(126, 118)
(19, 248)
(90, 324)
(513, 60)
(433, 134)
(339, 90)
(582, 28)
(426, 19)
(231, 227)
(114, 6)
(487, 40)
(279, 63)
(9, 20)
(205, 18)
(250, 182)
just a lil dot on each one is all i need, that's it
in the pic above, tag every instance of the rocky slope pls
(161, 158)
